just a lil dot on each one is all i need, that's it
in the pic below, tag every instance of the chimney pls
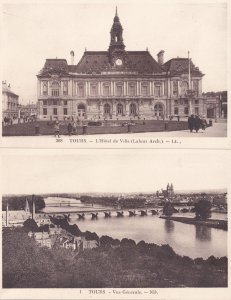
(72, 57)
(33, 207)
(7, 213)
(160, 57)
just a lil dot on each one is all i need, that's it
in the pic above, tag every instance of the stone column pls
(126, 108)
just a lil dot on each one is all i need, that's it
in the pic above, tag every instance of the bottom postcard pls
(114, 224)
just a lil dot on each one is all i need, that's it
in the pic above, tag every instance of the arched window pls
(159, 110)
(107, 109)
(132, 109)
(81, 110)
(119, 109)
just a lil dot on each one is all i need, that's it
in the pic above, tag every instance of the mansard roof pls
(140, 62)
(96, 62)
(135, 61)
(54, 66)
(178, 66)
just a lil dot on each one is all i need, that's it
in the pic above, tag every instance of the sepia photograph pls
(125, 67)
(115, 149)
(118, 220)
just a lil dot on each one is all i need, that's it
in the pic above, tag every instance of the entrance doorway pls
(210, 113)
(119, 110)
(107, 110)
(132, 109)
(81, 111)
(159, 110)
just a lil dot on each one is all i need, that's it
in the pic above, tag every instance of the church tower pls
(116, 48)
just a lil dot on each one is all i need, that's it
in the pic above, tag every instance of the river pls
(186, 239)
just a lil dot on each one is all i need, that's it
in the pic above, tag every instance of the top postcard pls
(140, 74)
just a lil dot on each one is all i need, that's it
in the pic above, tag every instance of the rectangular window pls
(80, 90)
(55, 112)
(119, 90)
(176, 110)
(93, 90)
(157, 91)
(44, 88)
(196, 110)
(186, 101)
(44, 102)
(55, 102)
(106, 90)
(55, 89)
(65, 111)
(175, 102)
(186, 111)
(196, 87)
(144, 90)
(132, 90)
(65, 88)
(44, 111)
(175, 87)
(196, 102)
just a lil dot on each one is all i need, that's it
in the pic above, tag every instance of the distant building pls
(166, 193)
(11, 218)
(216, 105)
(14, 218)
(10, 104)
(89, 244)
(119, 84)
(42, 238)
(28, 110)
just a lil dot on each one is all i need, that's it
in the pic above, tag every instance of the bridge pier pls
(132, 213)
(143, 213)
(120, 213)
(81, 216)
(107, 214)
(94, 216)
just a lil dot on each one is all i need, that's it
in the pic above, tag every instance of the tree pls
(30, 225)
(168, 209)
(203, 209)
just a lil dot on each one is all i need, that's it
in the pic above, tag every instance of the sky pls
(112, 171)
(33, 32)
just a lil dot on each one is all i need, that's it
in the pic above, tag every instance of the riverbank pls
(114, 264)
(219, 224)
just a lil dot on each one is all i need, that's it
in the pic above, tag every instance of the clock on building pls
(119, 62)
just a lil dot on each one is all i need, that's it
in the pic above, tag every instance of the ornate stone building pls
(119, 84)
(10, 104)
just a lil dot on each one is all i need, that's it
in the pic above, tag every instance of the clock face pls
(119, 62)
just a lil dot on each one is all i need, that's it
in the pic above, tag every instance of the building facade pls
(10, 104)
(119, 84)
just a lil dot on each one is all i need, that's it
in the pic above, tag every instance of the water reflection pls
(203, 233)
(169, 226)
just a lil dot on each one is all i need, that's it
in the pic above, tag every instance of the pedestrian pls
(56, 128)
(197, 124)
(69, 128)
(203, 123)
(191, 123)
(74, 125)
